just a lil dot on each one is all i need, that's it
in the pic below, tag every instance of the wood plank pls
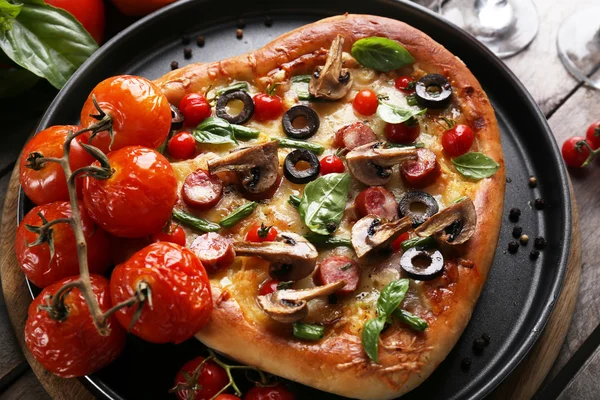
(26, 388)
(585, 384)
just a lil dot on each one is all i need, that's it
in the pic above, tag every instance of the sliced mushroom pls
(370, 233)
(453, 225)
(372, 163)
(291, 255)
(331, 81)
(289, 306)
(256, 166)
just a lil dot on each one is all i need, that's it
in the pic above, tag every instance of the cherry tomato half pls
(396, 244)
(90, 13)
(457, 140)
(73, 347)
(268, 287)
(574, 155)
(405, 84)
(261, 233)
(365, 102)
(182, 146)
(331, 164)
(267, 107)
(593, 135)
(404, 133)
(195, 109)
(278, 392)
(202, 381)
(175, 234)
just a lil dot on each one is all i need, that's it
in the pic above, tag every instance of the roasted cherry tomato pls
(365, 102)
(268, 287)
(49, 183)
(138, 199)
(182, 146)
(90, 13)
(140, 112)
(278, 392)
(36, 262)
(175, 234)
(200, 382)
(261, 233)
(331, 164)
(457, 140)
(227, 396)
(73, 346)
(573, 154)
(396, 243)
(405, 84)
(422, 171)
(195, 109)
(267, 107)
(140, 7)
(181, 296)
(593, 135)
(404, 133)
(378, 201)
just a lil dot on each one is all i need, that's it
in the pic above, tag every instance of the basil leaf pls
(396, 115)
(301, 79)
(195, 222)
(300, 86)
(411, 100)
(308, 332)
(214, 130)
(324, 201)
(8, 12)
(299, 144)
(236, 86)
(381, 54)
(414, 322)
(391, 296)
(238, 214)
(47, 41)
(242, 132)
(370, 337)
(294, 201)
(418, 242)
(475, 165)
(328, 241)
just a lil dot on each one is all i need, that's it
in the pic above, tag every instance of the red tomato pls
(267, 107)
(457, 140)
(73, 347)
(404, 133)
(365, 102)
(396, 243)
(140, 7)
(593, 135)
(227, 397)
(203, 382)
(378, 201)
(574, 155)
(278, 392)
(195, 109)
(175, 234)
(331, 164)
(405, 84)
(138, 199)
(140, 112)
(49, 183)
(90, 13)
(181, 296)
(261, 233)
(422, 171)
(268, 287)
(35, 261)
(182, 146)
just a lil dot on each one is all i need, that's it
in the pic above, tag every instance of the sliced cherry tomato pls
(261, 233)
(268, 287)
(195, 109)
(573, 154)
(198, 381)
(404, 133)
(175, 234)
(36, 261)
(182, 146)
(331, 164)
(405, 84)
(422, 171)
(181, 296)
(90, 13)
(201, 190)
(457, 140)
(140, 112)
(278, 392)
(267, 107)
(396, 243)
(214, 251)
(73, 347)
(138, 199)
(593, 135)
(378, 201)
(337, 268)
(365, 102)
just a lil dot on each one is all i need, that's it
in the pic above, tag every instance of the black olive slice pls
(312, 122)
(176, 118)
(295, 175)
(422, 264)
(244, 115)
(433, 91)
(419, 206)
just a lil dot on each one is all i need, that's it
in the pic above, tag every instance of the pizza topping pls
(422, 264)
(182, 146)
(370, 233)
(371, 163)
(422, 171)
(331, 164)
(238, 214)
(354, 135)
(261, 233)
(328, 241)
(255, 166)
(244, 115)
(300, 122)
(176, 118)
(267, 106)
(214, 251)
(419, 206)
(405, 83)
(300, 144)
(331, 81)
(453, 225)
(301, 166)
(433, 91)
(337, 268)
(457, 140)
(396, 115)
(365, 102)
(289, 306)
(475, 165)
(323, 203)
(376, 201)
(194, 222)
(201, 191)
(404, 133)
(381, 54)
(195, 108)
(414, 322)
(418, 242)
(308, 332)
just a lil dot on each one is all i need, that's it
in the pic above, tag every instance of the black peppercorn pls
(478, 345)
(540, 204)
(187, 53)
(200, 41)
(539, 243)
(268, 21)
(514, 214)
(508, 180)
(174, 65)
(241, 23)
(465, 364)
(532, 182)
(534, 254)
(239, 33)
(486, 338)
(517, 232)
(513, 247)
(185, 39)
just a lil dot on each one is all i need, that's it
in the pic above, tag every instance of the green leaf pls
(370, 337)
(414, 322)
(418, 242)
(194, 222)
(391, 296)
(324, 201)
(475, 165)
(381, 54)
(214, 130)
(308, 332)
(328, 241)
(8, 12)
(294, 201)
(396, 115)
(47, 41)
(238, 214)
(300, 144)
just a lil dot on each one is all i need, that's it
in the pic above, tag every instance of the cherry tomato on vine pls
(573, 154)
(261, 233)
(267, 107)
(138, 199)
(182, 146)
(227, 396)
(404, 133)
(195, 109)
(457, 140)
(405, 84)
(268, 287)
(331, 164)
(593, 135)
(365, 102)
(175, 234)
(396, 244)
(202, 381)
(140, 112)
(73, 347)
(180, 291)
(90, 13)
(278, 392)
(36, 261)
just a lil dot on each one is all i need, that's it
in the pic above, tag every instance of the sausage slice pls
(337, 268)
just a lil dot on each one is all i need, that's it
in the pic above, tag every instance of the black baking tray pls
(519, 294)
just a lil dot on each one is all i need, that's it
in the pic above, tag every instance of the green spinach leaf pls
(396, 115)
(381, 54)
(324, 201)
(475, 165)
(214, 130)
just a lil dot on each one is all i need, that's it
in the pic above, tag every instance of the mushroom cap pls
(460, 218)
(371, 163)
(369, 233)
(331, 81)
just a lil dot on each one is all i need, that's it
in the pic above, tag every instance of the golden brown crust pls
(338, 363)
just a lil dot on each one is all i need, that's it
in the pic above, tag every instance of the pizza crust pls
(337, 363)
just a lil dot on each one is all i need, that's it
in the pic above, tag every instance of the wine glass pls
(505, 26)
(578, 44)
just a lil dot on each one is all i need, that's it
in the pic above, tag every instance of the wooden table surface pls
(569, 107)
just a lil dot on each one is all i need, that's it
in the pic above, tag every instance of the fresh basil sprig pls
(308, 332)
(215, 130)
(194, 222)
(300, 144)
(328, 241)
(381, 54)
(475, 165)
(324, 201)
(396, 115)
(238, 214)
(418, 242)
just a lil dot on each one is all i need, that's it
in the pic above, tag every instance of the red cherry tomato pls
(182, 146)
(278, 392)
(593, 135)
(201, 190)
(138, 199)
(405, 84)
(181, 296)
(331, 164)
(195, 109)
(49, 183)
(365, 102)
(268, 287)
(396, 244)
(73, 347)
(574, 155)
(200, 382)
(404, 133)
(227, 397)
(90, 13)
(457, 140)
(422, 171)
(175, 234)
(139, 110)
(261, 233)
(378, 201)
(267, 107)
(35, 261)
